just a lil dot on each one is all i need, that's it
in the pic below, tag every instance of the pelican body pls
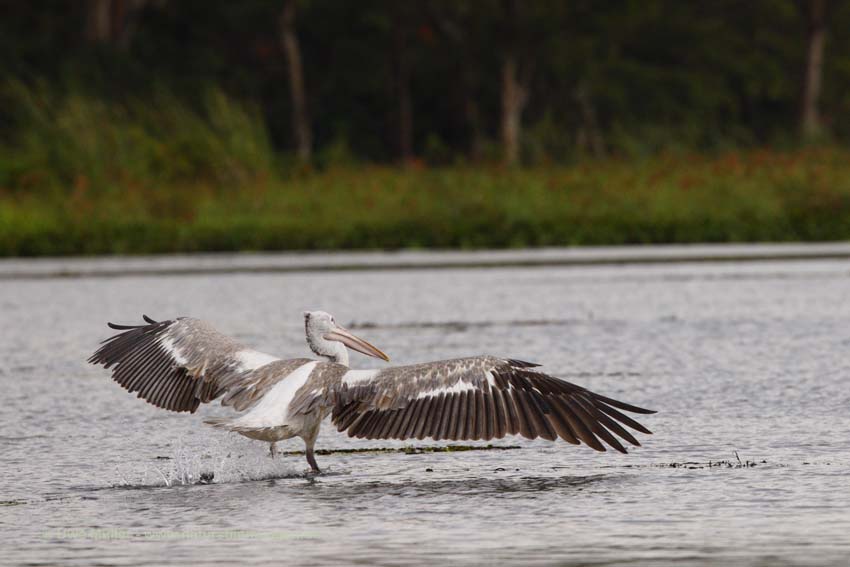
(182, 363)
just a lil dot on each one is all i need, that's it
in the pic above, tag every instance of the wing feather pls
(419, 431)
(181, 363)
(415, 409)
(472, 398)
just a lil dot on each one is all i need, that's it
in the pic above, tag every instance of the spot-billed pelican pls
(181, 363)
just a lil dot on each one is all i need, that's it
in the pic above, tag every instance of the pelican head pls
(329, 339)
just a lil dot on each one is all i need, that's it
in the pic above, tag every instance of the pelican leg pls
(309, 434)
(272, 450)
(311, 459)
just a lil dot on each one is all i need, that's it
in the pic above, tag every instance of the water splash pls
(218, 460)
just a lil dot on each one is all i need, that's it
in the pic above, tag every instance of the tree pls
(112, 21)
(302, 133)
(98, 20)
(810, 120)
(515, 84)
(460, 27)
(401, 85)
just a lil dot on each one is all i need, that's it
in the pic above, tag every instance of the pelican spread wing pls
(481, 397)
(181, 363)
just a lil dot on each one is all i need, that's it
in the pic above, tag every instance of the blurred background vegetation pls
(134, 126)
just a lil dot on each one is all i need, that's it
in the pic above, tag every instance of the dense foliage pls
(162, 125)
(639, 75)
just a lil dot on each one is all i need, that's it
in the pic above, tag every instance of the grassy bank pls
(752, 196)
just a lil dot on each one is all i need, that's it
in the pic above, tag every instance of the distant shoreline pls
(259, 263)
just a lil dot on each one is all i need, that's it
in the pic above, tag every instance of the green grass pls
(754, 196)
(82, 176)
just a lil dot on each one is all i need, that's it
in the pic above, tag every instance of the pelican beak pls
(355, 343)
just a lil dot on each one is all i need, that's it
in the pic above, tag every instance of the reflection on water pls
(746, 363)
(496, 487)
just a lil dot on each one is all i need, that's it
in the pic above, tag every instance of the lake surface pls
(746, 359)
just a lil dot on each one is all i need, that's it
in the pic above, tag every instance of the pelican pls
(181, 363)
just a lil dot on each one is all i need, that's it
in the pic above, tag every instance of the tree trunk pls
(125, 20)
(401, 87)
(457, 34)
(98, 21)
(112, 21)
(589, 136)
(514, 97)
(302, 133)
(810, 121)
(514, 88)
(473, 121)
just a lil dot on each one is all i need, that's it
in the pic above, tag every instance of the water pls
(747, 358)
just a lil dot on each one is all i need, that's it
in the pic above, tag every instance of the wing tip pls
(643, 411)
(623, 405)
(118, 327)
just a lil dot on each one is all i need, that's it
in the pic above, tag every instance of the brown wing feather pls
(181, 363)
(475, 398)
